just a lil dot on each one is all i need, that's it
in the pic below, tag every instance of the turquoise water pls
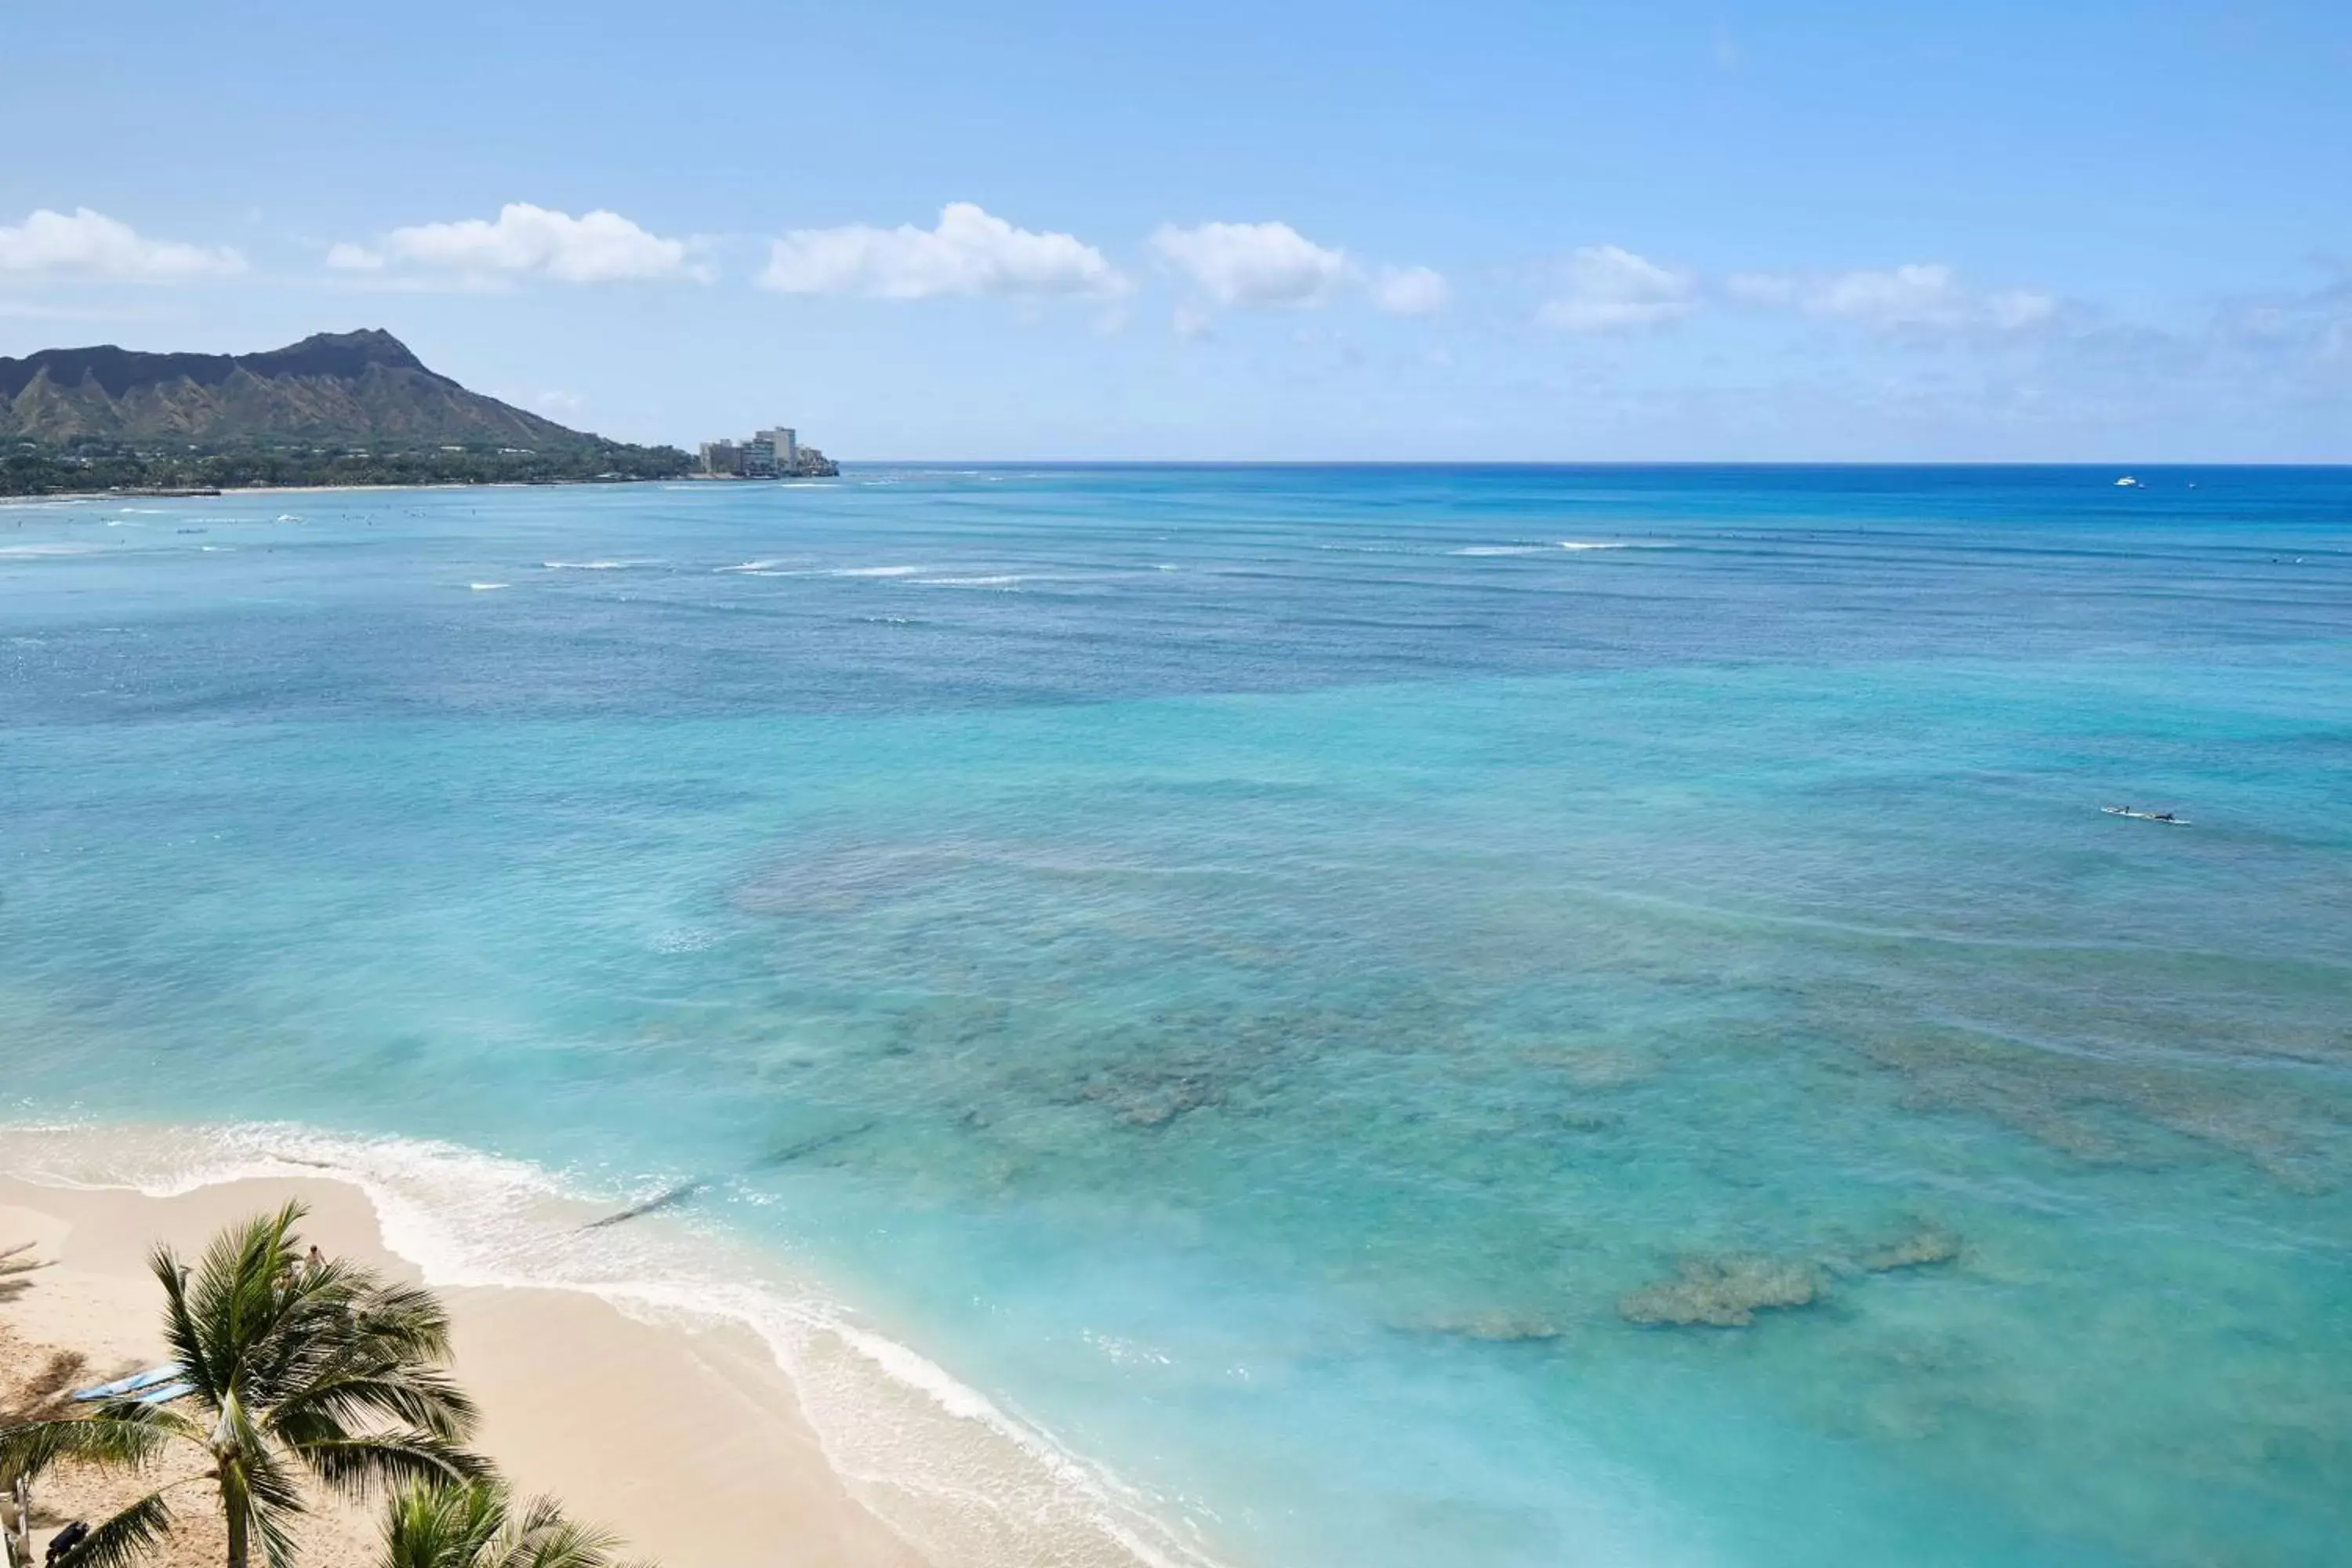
(1278, 978)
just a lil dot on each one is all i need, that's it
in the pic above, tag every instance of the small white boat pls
(2146, 816)
(2129, 482)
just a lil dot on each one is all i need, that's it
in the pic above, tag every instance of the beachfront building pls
(778, 450)
(773, 454)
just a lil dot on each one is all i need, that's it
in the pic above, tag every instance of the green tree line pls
(31, 469)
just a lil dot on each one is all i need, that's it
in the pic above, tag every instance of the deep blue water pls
(1280, 977)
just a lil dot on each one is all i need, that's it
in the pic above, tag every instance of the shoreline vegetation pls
(463, 1411)
(102, 468)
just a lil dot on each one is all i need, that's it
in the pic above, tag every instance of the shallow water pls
(1288, 981)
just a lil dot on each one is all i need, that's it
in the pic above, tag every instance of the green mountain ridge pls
(335, 408)
(343, 387)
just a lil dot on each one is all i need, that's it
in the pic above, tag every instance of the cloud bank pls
(1411, 291)
(89, 245)
(969, 252)
(1608, 288)
(1917, 296)
(1254, 265)
(524, 241)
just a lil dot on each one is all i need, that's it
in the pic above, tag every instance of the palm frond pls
(28, 1450)
(358, 1466)
(313, 1314)
(236, 1290)
(122, 1540)
(273, 1503)
(477, 1524)
(330, 1404)
(406, 1320)
(444, 1525)
(130, 1410)
(562, 1542)
(335, 1319)
(190, 1348)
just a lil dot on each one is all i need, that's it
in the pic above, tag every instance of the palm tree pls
(290, 1368)
(472, 1524)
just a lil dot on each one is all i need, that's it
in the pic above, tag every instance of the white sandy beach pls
(688, 1441)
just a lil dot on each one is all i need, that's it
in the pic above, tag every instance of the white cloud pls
(91, 245)
(1608, 288)
(1915, 298)
(1412, 290)
(1254, 264)
(971, 252)
(2014, 310)
(597, 247)
(1762, 287)
(1918, 295)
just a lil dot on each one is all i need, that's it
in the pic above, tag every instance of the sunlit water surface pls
(1295, 985)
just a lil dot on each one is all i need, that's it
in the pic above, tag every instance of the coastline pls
(9, 497)
(689, 1440)
(660, 1377)
(28, 497)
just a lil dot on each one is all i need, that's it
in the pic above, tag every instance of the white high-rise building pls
(783, 447)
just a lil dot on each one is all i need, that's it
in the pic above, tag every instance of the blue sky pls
(1280, 229)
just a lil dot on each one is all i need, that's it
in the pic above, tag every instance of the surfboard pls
(132, 1384)
(2144, 815)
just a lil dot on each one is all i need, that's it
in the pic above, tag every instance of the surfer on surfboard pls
(2145, 816)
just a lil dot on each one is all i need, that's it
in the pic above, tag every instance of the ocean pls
(1270, 1017)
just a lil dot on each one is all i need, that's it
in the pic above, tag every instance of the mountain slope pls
(333, 388)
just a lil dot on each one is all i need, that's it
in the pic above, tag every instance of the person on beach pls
(66, 1539)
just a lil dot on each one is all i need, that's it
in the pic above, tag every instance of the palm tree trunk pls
(234, 1502)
